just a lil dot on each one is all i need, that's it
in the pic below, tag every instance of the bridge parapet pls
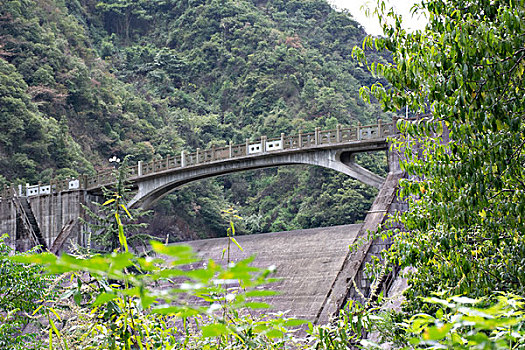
(301, 141)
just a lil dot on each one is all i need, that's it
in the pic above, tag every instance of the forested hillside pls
(83, 80)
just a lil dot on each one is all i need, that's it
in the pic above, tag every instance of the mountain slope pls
(150, 78)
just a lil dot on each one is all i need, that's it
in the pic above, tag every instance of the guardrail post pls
(282, 140)
(230, 149)
(263, 144)
(299, 140)
(198, 160)
(316, 136)
(182, 159)
(247, 146)
(212, 152)
(139, 168)
(379, 128)
(338, 133)
(358, 130)
(394, 124)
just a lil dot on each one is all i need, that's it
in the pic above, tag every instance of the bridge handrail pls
(186, 159)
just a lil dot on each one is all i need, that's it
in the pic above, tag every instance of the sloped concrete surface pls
(308, 262)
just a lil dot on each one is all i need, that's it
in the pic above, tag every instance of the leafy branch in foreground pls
(466, 162)
(22, 288)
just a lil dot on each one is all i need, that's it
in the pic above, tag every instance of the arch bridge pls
(333, 149)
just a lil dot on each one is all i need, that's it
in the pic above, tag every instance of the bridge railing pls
(186, 159)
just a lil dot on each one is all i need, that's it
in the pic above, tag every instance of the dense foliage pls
(22, 288)
(465, 227)
(85, 80)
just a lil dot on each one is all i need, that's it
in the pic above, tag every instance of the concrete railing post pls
(379, 128)
(263, 144)
(213, 152)
(282, 140)
(198, 160)
(247, 146)
(394, 125)
(316, 136)
(230, 150)
(358, 130)
(182, 159)
(300, 140)
(338, 133)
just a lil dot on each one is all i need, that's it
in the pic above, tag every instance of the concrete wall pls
(54, 211)
(8, 221)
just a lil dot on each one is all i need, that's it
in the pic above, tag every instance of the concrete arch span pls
(154, 187)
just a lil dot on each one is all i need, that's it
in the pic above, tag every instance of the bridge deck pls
(306, 260)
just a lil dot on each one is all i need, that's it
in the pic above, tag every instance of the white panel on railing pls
(45, 189)
(74, 184)
(274, 145)
(31, 190)
(255, 148)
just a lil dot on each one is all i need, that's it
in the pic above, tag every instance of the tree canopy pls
(466, 185)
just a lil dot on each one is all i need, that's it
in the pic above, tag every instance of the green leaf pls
(41, 259)
(294, 322)
(260, 293)
(215, 330)
(126, 210)
(109, 201)
(436, 333)
(237, 244)
(121, 237)
(257, 305)
(177, 311)
(175, 250)
(274, 333)
(103, 298)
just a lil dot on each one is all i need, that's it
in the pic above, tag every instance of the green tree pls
(465, 227)
(122, 12)
(21, 286)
